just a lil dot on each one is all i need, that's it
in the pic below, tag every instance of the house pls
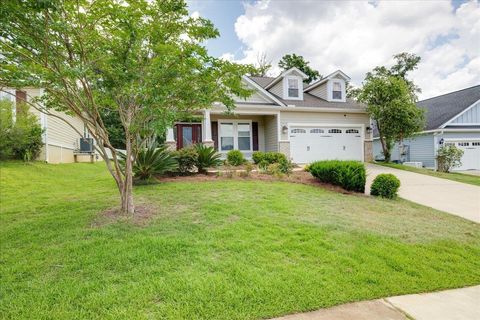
(452, 118)
(305, 122)
(62, 144)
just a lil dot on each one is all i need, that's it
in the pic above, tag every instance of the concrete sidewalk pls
(456, 198)
(456, 304)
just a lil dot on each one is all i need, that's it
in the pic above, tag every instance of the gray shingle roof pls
(309, 100)
(443, 108)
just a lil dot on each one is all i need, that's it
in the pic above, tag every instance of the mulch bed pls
(301, 177)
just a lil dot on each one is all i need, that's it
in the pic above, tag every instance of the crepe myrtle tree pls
(141, 59)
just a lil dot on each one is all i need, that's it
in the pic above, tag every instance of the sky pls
(353, 36)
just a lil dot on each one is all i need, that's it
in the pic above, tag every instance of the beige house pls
(61, 142)
(306, 123)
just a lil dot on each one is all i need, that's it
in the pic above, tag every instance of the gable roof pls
(325, 79)
(283, 74)
(309, 100)
(442, 109)
(262, 90)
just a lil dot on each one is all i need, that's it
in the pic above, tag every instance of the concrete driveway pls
(457, 198)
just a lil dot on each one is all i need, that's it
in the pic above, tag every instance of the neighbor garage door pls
(471, 154)
(308, 144)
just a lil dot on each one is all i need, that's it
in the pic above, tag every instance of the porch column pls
(170, 141)
(207, 129)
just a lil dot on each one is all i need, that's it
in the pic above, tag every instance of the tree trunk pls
(128, 206)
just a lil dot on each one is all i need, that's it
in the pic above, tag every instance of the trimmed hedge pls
(385, 185)
(350, 175)
(269, 157)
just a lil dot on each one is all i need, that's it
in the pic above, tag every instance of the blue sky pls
(353, 36)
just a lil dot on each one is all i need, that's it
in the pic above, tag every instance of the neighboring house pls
(305, 122)
(452, 118)
(61, 142)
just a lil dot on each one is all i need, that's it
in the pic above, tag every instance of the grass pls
(228, 249)
(455, 176)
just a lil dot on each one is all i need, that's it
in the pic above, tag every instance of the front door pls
(188, 134)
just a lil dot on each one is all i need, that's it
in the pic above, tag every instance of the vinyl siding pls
(460, 135)
(322, 118)
(277, 89)
(320, 91)
(254, 98)
(470, 116)
(422, 149)
(60, 133)
(271, 133)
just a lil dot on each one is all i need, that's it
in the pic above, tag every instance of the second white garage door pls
(471, 154)
(308, 144)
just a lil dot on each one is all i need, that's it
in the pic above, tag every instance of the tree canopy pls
(143, 60)
(289, 61)
(391, 101)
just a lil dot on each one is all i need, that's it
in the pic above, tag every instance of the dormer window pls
(337, 91)
(293, 91)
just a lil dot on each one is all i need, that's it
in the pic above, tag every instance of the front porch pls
(247, 131)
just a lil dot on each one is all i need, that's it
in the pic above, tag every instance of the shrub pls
(21, 139)
(248, 168)
(270, 157)
(349, 175)
(186, 159)
(206, 157)
(449, 157)
(385, 185)
(263, 165)
(285, 166)
(235, 157)
(153, 161)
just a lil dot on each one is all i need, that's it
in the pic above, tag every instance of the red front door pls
(188, 134)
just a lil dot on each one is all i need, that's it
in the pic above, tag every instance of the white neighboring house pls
(305, 122)
(61, 141)
(452, 118)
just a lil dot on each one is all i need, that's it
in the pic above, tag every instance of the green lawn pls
(455, 176)
(227, 249)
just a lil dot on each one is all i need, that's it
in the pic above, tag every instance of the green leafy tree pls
(141, 59)
(391, 101)
(289, 61)
(391, 105)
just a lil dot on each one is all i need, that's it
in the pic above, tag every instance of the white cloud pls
(357, 36)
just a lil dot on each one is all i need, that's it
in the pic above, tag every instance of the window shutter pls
(255, 135)
(214, 126)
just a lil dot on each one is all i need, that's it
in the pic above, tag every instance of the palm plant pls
(153, 161)
(207, 157)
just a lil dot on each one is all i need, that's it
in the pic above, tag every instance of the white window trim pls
(235, 134)
(285, 88)
(330, 90)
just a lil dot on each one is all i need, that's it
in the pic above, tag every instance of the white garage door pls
(308, 144)
(471, 154)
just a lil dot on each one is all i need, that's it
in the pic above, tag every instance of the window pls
(226, 136)
(235, 135)
(243, 136)
(298, 131)
(293, 91)
(334, 131)
(351, 131)
(316, 131)
(463, 144)
(337, 91)
(476, 144)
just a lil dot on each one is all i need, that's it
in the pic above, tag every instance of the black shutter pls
(214, 125)
(255, 135)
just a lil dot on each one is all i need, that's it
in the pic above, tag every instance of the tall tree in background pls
(140, 59)
(289, 61)
(391, 101)
(262, 66)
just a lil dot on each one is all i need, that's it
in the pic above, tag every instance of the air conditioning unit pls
(86, 145)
